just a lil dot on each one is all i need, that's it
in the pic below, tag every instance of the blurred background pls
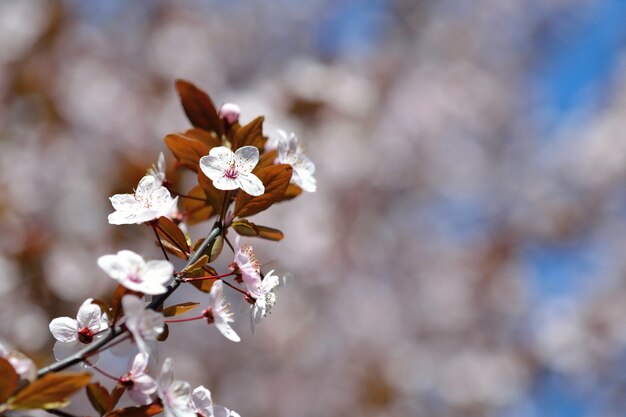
(461, 256)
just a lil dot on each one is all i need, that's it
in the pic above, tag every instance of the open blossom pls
(130, 270)
(144, 324)
(140, 384)
(150, 201)
(203, 405)
(291, 152)
(248, 266)
(71, 334)
(265, 298)
(219, 313)
(158, 171)
(231, 170)
(175, 395)
(22, 364)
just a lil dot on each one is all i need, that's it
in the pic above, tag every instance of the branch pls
(114, 332)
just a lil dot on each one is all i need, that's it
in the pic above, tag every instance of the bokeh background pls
(463, 255)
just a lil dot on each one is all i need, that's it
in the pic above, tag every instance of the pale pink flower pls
(141, 384)
(248, 266)
(203, 405)
(22, 364)
(230, 113)
(143, 323)
(265, 298)
(231, 170)
(130, 270)
(175, 395)
(150, 201)
(291, 152)
(219, 313)
(158, 170)
(72, 334)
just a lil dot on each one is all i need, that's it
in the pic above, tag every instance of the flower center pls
(231, 173)
(208, 313)
(85, 335)
(127, 381)
(135, 277)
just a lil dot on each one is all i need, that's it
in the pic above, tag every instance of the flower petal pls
(246, 158)
(123, 202)
(145, 187)
(225, 183)
(64, 329)
(202, 401)
(89, 315)
(140, 362)
(227, 331)
(251, 184)
(158, 271)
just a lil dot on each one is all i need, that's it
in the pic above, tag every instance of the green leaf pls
(50, 391)
(99, 398)
(8, 380)
(275, 179)
(179, 309)
(199, 107)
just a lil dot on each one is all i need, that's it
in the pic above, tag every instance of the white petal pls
(146, 287)
(216, 295)
(202, 399)
(225, 183)
(246, 158)
(89, 315)
(64, 329)
(120, 217)
(270, 281)
(123, 202)
(167, 374)
(158, 271)
(139, 363)
(212, 167)
(227, 331)
(132, 306)
(140, 397)
(145, 187)
(305, 180)
(63, 350)
(251, 184)
(225, 155)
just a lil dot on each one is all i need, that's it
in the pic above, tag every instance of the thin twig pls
(160, 242)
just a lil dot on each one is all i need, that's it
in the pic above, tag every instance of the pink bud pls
(230, 113)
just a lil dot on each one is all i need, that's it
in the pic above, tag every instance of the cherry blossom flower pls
(291, 152)
(150, 201)
(158, 171)
(130, 270)
(22, 364)
(219, 313)
(175, 395)
(144, 324)
(72, 334)
(231, 170)
(203, 405)
(230, 113)
(140, 384)
(265, 298)
(249, 267)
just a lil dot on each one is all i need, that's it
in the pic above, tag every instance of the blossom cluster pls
(240, 172)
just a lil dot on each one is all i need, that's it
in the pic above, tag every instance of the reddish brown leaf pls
(164, 334)
(103, 306)
(186, 150)
(197, 211)
(50, 391)
(170, 232)
(99, 398)
(8, 380)
(292, 192)
(179, 309)
(275, 179)
(247, 228)
(269, 233)
(266, 160)
(143, 411)
(199, 107)
(199, 264)
(117, 393)
(201, 135)
(250, 134)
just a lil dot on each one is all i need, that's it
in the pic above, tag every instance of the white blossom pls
(150, 201)
(144, 324)
(203, 405)
(291, 152)
(71, 334)
(265, 298)
(141, 384)
(130, 270)
(175, 395)
(158, 171)
(249, 267)
(231, 170)
(219, 312)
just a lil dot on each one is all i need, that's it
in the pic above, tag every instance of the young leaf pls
(199, 264)
(250, 134)
(164, 334)
(143, 411)
(292, 192)
(187, 151)
(171, 233)
(201, 135)
(269, 233)
(199, 107)
(266, 160)
(216, 248)
(179, 309)
(50, 391)
(197, 211)
(116, 393)
(8, 380)
(276, 179)
(99, 398)
(245, 228)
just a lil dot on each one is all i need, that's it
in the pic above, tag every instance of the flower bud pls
(229, 112)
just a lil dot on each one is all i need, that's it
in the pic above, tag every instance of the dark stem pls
(160, 242)
(60, 413)
(115, 331)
